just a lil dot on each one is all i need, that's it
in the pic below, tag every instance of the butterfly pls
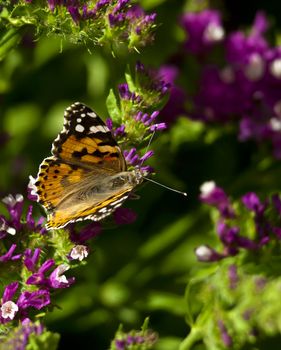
(86, 177)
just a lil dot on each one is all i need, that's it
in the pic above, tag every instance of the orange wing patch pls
(53, 178)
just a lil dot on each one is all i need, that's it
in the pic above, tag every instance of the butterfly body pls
(87, 176)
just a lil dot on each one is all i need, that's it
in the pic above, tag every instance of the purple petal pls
(124, 216)
(225, 337)
(146, 156)
(9, 254)
(160, 126)
(37, 299)
(46, 266)
(109, 123)
(252, 201)
(36, 279)
(9, 291)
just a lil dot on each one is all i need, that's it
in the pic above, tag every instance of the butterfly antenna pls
(167, 187)
(150, 140)
(153, 181)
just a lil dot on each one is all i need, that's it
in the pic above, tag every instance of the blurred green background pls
(140, 269)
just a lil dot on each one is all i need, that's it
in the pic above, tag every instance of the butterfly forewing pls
(85, 140)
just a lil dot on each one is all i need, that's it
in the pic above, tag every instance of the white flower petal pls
(275, 68)
(207, 187)
(12, 231)
(203, 252)
(79, 252)
(9, 309)
(214, 32)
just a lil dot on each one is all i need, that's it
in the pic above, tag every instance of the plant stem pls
(8, 41)
(194, 335)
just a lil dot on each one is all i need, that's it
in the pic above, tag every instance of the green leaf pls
(130, 80)
(112, 107)
(9, 41)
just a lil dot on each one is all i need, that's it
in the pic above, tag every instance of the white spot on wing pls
(92, 114)
(93, 129)
(99, 128)
(79, 128)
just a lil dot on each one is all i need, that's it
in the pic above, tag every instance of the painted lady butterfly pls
(87, 177)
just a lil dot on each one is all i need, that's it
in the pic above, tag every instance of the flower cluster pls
(28, 333)
(104, 22)
(203, 30)
(144, 339)
(136, 111)
(234, 226)
(33, 273)
(247, 87)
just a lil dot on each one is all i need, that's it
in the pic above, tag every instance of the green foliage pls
(148, 267)
(249, 309)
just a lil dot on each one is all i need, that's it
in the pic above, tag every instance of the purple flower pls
(225, 337)
(9, 291)
(228, 235)
(109, 123)
(32, 225)
(88, 232)
(240, 48)
(232, 240)
(134, 159)
(151, 81)
(30, 260)
(213, 195)
(252, 202)
(37, 299)
(124, 216)
(205, 253)
(9, 255)
(38, 278)
(20, 339)
(203, 30)
(147, 338)
(175, 105)
(75, 14)
(124, 91)
(58, 279)
(120, 344)
(15, 208)
(148, 121)
(120, 131)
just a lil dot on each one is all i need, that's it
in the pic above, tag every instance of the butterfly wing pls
(84, 154)
(86, 141)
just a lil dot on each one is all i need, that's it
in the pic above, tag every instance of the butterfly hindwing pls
(81, 211)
